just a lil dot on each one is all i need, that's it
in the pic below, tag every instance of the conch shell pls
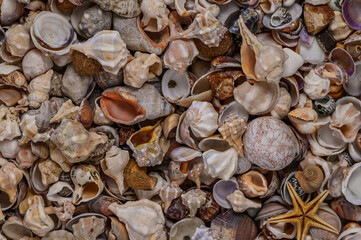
(114, 164)
(75, 142)
(10, 176)
(144, 67)
(143, 219)
(232, 131)
(346, 122)
(155, 15)
(260, 62)
(39, 89)
(240, 203)
(108, 48)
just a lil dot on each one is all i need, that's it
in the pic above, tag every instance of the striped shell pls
(310, 178)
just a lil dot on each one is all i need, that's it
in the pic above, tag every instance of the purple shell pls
(351, 10)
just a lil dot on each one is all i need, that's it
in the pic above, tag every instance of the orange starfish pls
(304, 215)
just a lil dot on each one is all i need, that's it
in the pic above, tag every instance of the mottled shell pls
(88, 228)
(123, 8)
(9, 126)
(315, 86)
(270, 143)
(232, 131)
(94, 20)
(31, 131)
(18, 40)
(136, 177)
(108, 48)
(193, 200)
(310, 178)
(67, 110)
(50, 171)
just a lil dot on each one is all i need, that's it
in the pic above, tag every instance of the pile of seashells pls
(180, 119)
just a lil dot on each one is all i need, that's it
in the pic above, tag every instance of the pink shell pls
(270, 143)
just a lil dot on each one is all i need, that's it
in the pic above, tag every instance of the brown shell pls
(25, 157)
(346, 210)
(253, 184)
(101, 203)
(177, 210)
(136, 177)
(124, 133)
(310, 178)
(222, 82)
(83, 64)
(40, 149)
(85, 114)
(121, 107)
(16, 79)
(106, 80)
(304, 113)
(210, 209)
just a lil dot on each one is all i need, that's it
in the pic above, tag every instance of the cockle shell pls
(155, 15)
(143, 219)
(169, 193)
(346, 122)
(206, 28)
(240, 203)
(18, 40)
(31, 131)
(202, 119)
(10, 176)
(193, 200)
(258, 148)
(75, 142)
(221, 164)
(108, 48)
(263, 62)
(9, 126)
(39, 89)
(36, 219)
(114, 164)
(88, 228)
(88, 184)
(45, 27)
(123, 8)
(315, 86)
(181, 52)
(148, 145)
(143, 68)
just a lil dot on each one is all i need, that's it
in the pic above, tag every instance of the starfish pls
(304, 215)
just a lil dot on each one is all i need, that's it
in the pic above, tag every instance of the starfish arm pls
(298, 204)
(312, 207)
(302, 229)
(288, 217)
(318, 222)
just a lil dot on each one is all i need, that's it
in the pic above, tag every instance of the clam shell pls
(350, 187)
(184, 228)
(349, 12)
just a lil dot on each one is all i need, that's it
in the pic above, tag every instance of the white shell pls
(315, 86)
(155, 15)
(353, 85)
(108, 48)
(221, 164)
(9, 148)
(175, 86)
(233, 108)
(351, 184)
(313, 54)
(240, 203)
(292, 63)
(185, 227)
(30, 130)
(54, 189)
(193, 200)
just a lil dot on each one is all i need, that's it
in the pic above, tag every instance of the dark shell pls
(210, 209)
(326, 40)
(85, 114)
(106, 80)
(235, 226)
(65, 192)
(325, 106)
(124, 133)
(346, 210)
(208, 53)
(296, 185)
(177, 210)
(101, 204)
(94, 20)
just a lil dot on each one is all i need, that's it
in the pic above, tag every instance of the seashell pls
(206, 28)
(345, 122)
(46, 25)
(143, 68)
(193, 200)
(136, 177)
(59, 234)
(10, 176)
(106, 80)
(306, 120)
(17, 40)
(257, 97)
(88, 228)
(15, 229)
(10, 96)
(315, 86)
(283, 105)
(348, 13)
(39, 89)
(240, 203)
(222, 189)
(349, 184)
(220, 164)
(85, 114)
(313, 53)
(149, 194)
(292, 63)
(339, 28)
(137, 39)
(177, 210)
(175, 86)
(210, 209)
(205, 233)
(10, 11)
(9, 124)
(101, 204)
(169, 193)
(50, 172)
(108, 48)
(253, 184)
(14, 78)
(232, 131)
(35, 64)
(256, 62)
(325, 106)
(334, 182)
(155, 15)
(123, 8)
(233, 225)
(350, 231)
(31, 131)
(174, 58)
(345, 209)
(310, 178)
(94, 20)
(260, 153)
(353, 86)
(343, 59)
(67, 111)
(114, 164)
(148, 145)
(170, 125)
(88, 184)
(205, 124)
(327, 214)
(351, 45)
(60, 192)
(145, 222)
(324, 13)
(281, 17)
(222, 82)
(9, 148)
(184, 154)
(118, 230)
(75, 142)
(232, 110)
(185, 228)
(36, 219)
(178, 171)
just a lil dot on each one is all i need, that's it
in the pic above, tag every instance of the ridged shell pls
(193, 200)
(221, 164)
(31, 131)
(108, 48)
(123, 8)
(315, 86)
(39, 89)
(168, 194)
(310, 178)
(232, 131)
(240, 203)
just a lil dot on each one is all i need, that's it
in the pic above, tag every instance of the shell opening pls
(90, 190)
(142, 137)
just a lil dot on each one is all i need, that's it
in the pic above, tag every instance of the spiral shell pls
(310, 178)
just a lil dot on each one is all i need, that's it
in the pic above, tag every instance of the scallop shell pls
(143, 68)
(88, 228)
(221, 164)
(123, 8)
(143, 219)
(108, 48)
(193, 200)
